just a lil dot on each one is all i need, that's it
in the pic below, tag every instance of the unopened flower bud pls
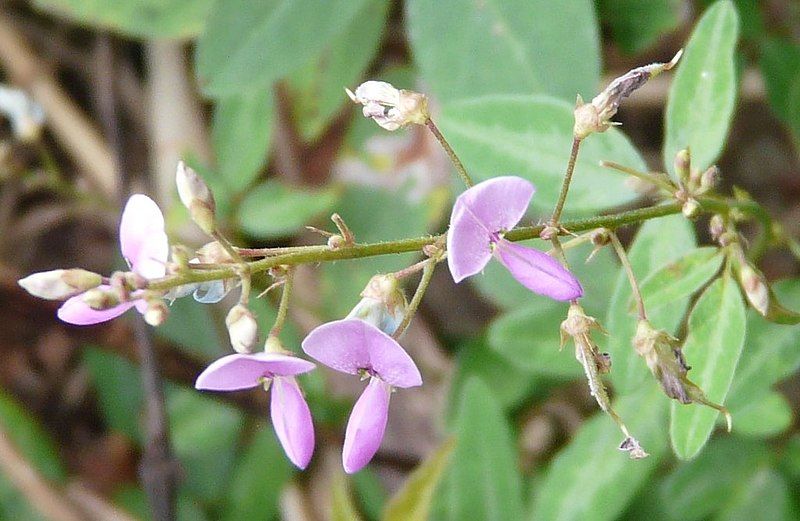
(242, 328)
(213, 253)
(709, 179)
(548, 232)
(389, 107)
(60, 284)
(383, 304)
(134, 281)
(663, 356)
(196, 197)
(335, 241)
(691, 208)
(99, 299)
(755, 287)
(596, 116)
(683, 165)
(716, 226)
(156, 313)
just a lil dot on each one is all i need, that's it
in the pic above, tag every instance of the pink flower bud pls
(156, 312)
(60, 284)
(196, 197)
(242, 328)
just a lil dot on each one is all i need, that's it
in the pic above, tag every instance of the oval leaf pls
(531, 136)
(763, 415)
(484, 482)
(712, 348)
(274, 209)
(703, 93)
(506, 47)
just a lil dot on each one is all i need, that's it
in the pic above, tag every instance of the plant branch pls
(422, 287)
(626, 264)
(283, 307)
(462, 171)
(562, 196)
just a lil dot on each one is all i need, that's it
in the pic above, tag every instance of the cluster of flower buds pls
(596, 115)
(692, 183)
(391, 108)
(578, 326)
(663, 356)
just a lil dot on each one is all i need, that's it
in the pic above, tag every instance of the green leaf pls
(658, 243)
(260, 474)
(134, 501)
(505, 47)
(590, 480)
(703, 93)
(274, 209)
(780, 66)
(343, 507)
(483, 481)
(697, 488)
(637, 25)
(119, 390)
(367, 488)
(763, 415)
(531, 136)
(679, 279)
(318, 88)
(248, 45)
(712, 348)
(241, 134)
(204, 434)
(413, 501)
(529, 339)
(765, 495)
(191, 326)
(139, 18)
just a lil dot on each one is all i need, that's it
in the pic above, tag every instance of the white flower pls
(389, 107)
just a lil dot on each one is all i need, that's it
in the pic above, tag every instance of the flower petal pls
(377, 92)
(350, 345)
(538, 271)
(291, 420)
(75, 311)
(142, 238)
(366, 426)
(211, 292)
(241, 371)
(479, 213)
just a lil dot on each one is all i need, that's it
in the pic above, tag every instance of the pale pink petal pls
(142, 238)
(478, 214)
(351, 345)
(243, 371)
(141, 305)
(76, 311)
(538, 271)
(291, 420)
(366, 426)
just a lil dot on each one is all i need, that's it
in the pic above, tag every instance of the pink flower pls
(291, 417)
(480, 217)
(356, 347)
(144, 246)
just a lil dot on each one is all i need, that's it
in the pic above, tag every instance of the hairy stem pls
(462, 172)
(562, 196)
(626, 264)
(427, 274)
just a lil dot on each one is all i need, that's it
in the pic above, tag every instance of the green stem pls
(283, 307)
(562, 196)
(649, 178)
(427, 274)
(626, 264)
(462, 172)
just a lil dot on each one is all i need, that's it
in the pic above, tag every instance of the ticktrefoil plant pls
(366, 343)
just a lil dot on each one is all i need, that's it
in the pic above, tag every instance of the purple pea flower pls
(144, 246)
(289, 411)
(357, 347)
(480, 216)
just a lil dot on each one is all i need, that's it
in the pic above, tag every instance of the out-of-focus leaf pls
(369, 491)
(413, 501)
(657, 244)
(274, 209)
(139, 18)
(318, 88)
(712, 348)
(191, 326)
(703, 93)
(260, 473)
(241, 134)
(343, 508)
(790, 458)
(204, 434)
(697, 488)
(637, 25)
(134, 501)
(483, 481)
(771, 354)
(248, 45)
(590, 480)
(505, 47)
(528, 338)
(765, 495)
(780, 65)
(509, 384)
(752, 21)
(678, 280)
(119, 390)
(531, 136)
(763, 415)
